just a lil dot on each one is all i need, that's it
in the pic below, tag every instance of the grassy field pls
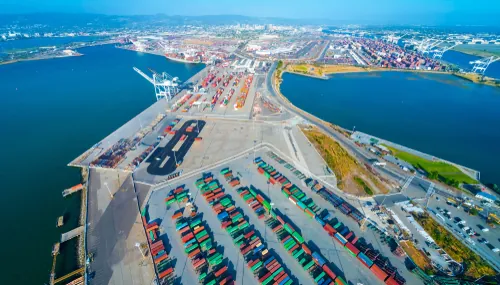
(363, 185)
(475, 266)
(479, 50)
(420, 259)
(446, 172)
(344, 166)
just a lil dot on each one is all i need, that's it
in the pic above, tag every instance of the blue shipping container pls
(268, 260)
(222, 216)
(318, 258)
(340, 238)
(320, 221)
(364, 259)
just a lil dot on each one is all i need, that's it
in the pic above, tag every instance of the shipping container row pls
(340, 232)
(291, 240)
(259, 259)
(162, 262)
(194, 233)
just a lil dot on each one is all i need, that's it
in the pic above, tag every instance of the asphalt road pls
(360, 154)
(161, 153)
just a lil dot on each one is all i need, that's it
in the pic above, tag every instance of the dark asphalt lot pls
(161, 153)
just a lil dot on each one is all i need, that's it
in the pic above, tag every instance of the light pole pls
(138, 245)
(109, 191)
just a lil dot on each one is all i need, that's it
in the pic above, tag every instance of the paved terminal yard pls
(341, 262)
(114, 227)
(221, 140)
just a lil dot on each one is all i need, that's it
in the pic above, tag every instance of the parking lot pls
(473, 222)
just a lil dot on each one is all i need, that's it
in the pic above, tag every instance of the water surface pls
(439, 114)
(51, 111)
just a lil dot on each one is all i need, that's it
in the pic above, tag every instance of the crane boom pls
(144, 75)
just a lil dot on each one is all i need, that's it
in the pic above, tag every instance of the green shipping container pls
(298, 237)
(290, 245)
(256, 266)
(191, 248)
(202, 276)
(298, 253)
(266, 205)
(288, 229)
(302, 261)
(311, 263)
(319, 276)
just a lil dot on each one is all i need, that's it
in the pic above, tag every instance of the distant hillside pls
(116, 21)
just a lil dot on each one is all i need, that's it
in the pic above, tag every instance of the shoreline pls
(75, 48)
(356, 69)
(39, 58)
(276, 84)
(161, 54)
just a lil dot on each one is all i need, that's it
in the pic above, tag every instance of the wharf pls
(71, 234)
(72, 190)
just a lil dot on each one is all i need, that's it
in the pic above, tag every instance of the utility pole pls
(138, 245)
(109, 191)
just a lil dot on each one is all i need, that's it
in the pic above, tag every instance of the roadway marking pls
(164, 161)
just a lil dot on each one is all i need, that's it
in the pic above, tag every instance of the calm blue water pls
(435, 113)
(463, 61)
(43, 42)
(51, 111)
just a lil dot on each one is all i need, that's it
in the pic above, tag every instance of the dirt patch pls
(348, 171)
(420, 259)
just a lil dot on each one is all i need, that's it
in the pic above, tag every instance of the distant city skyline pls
(436, 12)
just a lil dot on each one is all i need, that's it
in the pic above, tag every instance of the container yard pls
(315, 233)
(224, 91)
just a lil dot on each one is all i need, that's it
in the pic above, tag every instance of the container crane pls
(481, 65)
(166, 86)
(438, 53)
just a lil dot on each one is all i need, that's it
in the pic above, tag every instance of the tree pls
(493, 187)
(473, 212)
(433, 175)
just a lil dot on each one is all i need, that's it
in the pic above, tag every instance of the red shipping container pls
(277, 277)
(194, 253)
(391, 281)
(329, 272)
(165, 273)
(352, 248)
(265, 277)
(379, 272)
(220, 271)
(306, 249)
(354, 240)
(159, 259)
(329, 228)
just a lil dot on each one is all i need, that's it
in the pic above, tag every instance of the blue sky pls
(365, 11)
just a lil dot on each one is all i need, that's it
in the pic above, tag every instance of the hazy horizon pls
(425, 12)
